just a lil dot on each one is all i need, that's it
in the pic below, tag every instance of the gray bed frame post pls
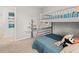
(51, 27)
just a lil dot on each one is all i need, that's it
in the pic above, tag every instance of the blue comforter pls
(45, 44)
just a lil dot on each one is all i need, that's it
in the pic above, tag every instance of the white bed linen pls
(74, 48)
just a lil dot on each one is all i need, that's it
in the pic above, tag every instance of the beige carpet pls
(22, 46)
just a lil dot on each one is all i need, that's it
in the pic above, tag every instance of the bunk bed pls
(45, 43)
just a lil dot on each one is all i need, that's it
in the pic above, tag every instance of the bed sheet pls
(45, 44)
(74, 48)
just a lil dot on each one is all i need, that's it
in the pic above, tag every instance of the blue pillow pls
(54, 36)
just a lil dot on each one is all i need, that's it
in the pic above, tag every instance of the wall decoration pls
(11, 19)
(11, 25)
(11, 14)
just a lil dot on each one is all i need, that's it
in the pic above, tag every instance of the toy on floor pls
(66, 41)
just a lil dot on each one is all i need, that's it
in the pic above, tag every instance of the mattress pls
(74, 48)
(45, 44)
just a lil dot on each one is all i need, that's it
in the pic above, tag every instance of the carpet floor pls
(21, 46)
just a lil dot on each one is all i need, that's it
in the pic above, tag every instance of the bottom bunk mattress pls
(45, 44)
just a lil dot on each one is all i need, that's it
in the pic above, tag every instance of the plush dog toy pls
(66, 41)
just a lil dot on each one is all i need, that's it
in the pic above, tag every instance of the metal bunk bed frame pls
(52, 21)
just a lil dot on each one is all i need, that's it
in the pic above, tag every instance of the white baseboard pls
(22, 38)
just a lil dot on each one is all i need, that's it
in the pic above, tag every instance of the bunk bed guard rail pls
(72, 12)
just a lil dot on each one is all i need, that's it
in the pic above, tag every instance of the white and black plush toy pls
(66, 40)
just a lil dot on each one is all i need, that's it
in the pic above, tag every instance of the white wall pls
(24, 15)
(49, 9)
(7, 32)
(23, 20)
(62, 28)
(65, 28)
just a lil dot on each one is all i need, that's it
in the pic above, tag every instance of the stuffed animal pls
(66, 41)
